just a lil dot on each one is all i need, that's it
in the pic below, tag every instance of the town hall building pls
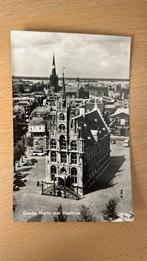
(78, 147)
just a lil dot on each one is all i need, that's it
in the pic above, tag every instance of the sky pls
(82, 55)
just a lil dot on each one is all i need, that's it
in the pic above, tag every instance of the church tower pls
(54, 77)
(63, 87)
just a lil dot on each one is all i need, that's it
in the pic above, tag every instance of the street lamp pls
(122, 197)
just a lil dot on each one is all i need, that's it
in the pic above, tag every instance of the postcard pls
(71, 141)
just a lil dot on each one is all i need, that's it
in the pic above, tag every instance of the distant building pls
(54, 78)
(120, 122)
(84, 94)
(37, 130)
(97, 91)
(27, 107)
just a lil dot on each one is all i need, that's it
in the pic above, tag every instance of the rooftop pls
(37, 121)
(121, 110)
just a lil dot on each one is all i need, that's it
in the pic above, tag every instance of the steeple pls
(63, 86)
(53, 66)
(54, 76)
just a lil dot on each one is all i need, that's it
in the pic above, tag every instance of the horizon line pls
(68, 77)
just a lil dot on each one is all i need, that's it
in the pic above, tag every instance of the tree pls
(106, 117)
(19, 126)
(29, 141)
(85, 214)
(110, 211)
(60, 216)
(19, 151)
(17, 155)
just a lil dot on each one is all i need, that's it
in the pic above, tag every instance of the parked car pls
(38, 153)
(34, 160)
(19, 183)
(15, 188)
(28, 163)
(24, 179)
(19, 175)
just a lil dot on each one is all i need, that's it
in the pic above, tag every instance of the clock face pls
(53, 66)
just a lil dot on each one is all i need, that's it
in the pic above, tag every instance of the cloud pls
(83, 55)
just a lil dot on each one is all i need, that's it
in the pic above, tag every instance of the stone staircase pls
(70, 193)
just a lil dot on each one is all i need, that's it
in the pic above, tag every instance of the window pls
(53, 144)
(73, 145)
(53, 156)
(53, 172)
(71, 124)
(63, 171)
(61, 127)
(63, 145)
(63, 157)
(73, 158)
(74, 175)
(62, 142)
(61, 117)
(53, 169)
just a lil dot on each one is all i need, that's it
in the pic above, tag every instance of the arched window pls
(63, 157)
(74, 175)
(63, 145)
(62, 171)
(73, 158)
(62, 142)
(53, 172)
(73, 145)
(53, 156)
(61, 117)
(61, 127)
(53, 144)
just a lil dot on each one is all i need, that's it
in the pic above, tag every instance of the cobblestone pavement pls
(30, 205)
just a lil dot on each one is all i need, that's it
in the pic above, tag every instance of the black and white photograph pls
(71, 137)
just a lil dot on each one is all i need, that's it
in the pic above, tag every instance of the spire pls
(54, 76)
(53, 59)
(53, 66)
(63, 87)
(95, 105)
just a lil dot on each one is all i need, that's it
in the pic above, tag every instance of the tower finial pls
(63, 87)
(53, 59)
(95, 105)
